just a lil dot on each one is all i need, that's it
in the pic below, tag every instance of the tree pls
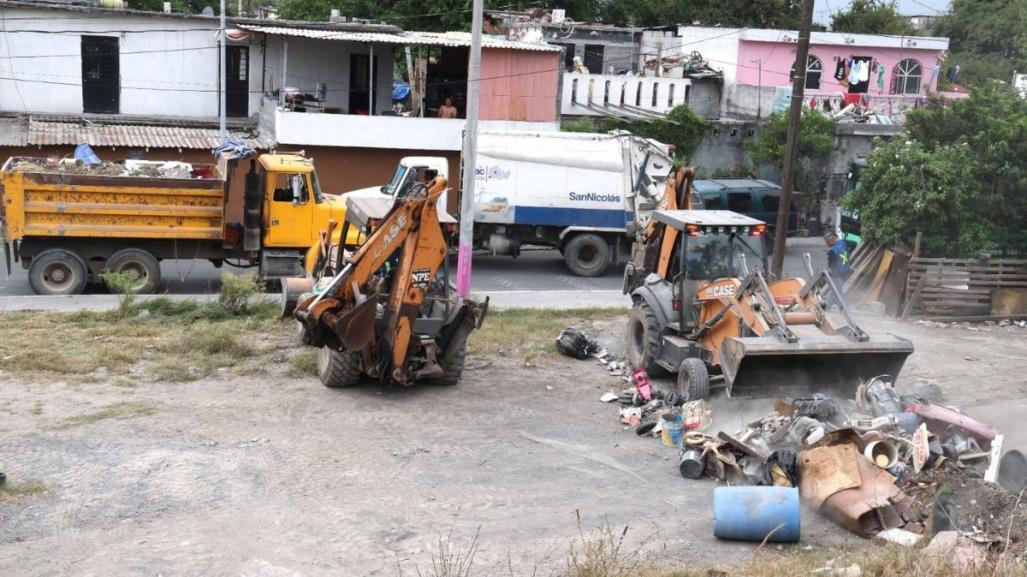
(816, 141)
(987, 38)
(872, 17)
(958, 176)
(756, 13)
(682, 128)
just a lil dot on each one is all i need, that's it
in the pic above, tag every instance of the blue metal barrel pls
(751, 513)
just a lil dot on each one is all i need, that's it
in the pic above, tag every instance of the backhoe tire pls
(58, 271)
(338, 369)
(587, 255)
(643, 340)
(693, 380)
(139, 264)
(452, 373)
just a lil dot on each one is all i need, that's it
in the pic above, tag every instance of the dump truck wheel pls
(693, 380)
(587, 255)
(643, 340)
(139, 264)
(452, 373)
(58, 272)
(338, 369)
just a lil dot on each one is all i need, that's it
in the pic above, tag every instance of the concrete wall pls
(620, 49)
(649, 93)
(168, 66)
(519, 85)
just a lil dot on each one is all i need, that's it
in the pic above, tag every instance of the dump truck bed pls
(51, 203)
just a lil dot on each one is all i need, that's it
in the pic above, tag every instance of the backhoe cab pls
(708, 308)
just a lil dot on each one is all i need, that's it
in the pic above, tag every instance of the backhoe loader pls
(385, 311)
(705, 306)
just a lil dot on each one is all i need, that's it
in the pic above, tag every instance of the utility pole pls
(224, 72)
(470, 157)
(792, 143)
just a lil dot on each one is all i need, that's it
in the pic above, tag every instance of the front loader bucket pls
(831, 364)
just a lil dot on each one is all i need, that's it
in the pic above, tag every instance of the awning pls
(455, 39)
(46, 133)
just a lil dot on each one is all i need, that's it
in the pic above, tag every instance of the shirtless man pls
(447, 110)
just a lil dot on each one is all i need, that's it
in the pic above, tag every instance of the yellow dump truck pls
(67, 223)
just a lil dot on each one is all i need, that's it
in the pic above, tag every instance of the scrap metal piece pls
(826, 471)
(866, 509)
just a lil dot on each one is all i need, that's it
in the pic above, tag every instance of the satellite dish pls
(208, 11)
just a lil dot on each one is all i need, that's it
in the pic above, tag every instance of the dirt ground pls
(269, 475)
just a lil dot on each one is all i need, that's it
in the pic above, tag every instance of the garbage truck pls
(581, 193)
(68, 222)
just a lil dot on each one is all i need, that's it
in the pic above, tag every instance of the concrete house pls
(146, 85)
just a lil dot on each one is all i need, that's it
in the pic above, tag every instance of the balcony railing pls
(603, 94)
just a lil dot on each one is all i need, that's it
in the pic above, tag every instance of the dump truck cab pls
(713, 311)
(295, 209)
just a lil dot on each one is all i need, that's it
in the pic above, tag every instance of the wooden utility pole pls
(792, 143)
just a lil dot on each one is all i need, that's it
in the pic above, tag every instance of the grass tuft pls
(11, 492)
(115, 411)
(530, 333)
(451, 559)
(303, 364)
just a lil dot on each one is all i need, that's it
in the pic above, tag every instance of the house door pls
(237, 72)
(359, 83)
(101, 79)
(594, 58)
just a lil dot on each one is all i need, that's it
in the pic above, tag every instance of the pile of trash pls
(893, 467)
(134, 168)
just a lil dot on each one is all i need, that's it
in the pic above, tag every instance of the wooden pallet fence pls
(961, 287)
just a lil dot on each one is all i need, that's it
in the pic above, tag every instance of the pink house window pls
(814, 69)
(909, 76)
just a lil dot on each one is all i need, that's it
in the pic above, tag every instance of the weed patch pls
(115, 411)
(303, 364)
(530, 333)
(11, 492)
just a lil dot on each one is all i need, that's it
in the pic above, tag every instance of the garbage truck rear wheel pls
(693, 380)
(643, 340)
(587, 255)
(58, 272)
(338, 369)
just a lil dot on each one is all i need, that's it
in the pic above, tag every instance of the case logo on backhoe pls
(391, 235)
(720, 290)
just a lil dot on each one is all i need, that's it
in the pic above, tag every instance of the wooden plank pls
(857, 273)
(891, 292)
(976, 318)
(912, 299)
(970, 261)
(916, 244)
(879, 276)
(1006, 302)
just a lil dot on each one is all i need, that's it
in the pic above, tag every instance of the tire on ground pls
(338, 369)
(693, 380)
(58, 271)
(587, 255)
(643, 340)
(139, 264)
(451, 373)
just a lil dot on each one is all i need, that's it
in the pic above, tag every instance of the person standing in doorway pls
(447, 110)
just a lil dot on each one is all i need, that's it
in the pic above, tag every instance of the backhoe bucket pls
(831, 364)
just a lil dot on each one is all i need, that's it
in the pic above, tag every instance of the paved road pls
(535, 270)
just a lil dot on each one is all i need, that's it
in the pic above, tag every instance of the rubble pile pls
(882, 465)
(134, 168)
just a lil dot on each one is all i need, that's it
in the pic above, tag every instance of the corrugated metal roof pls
(13, 132)
(63, 133)
(426, 38)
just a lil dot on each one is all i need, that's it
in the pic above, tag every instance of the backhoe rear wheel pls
(338, 369)
(452, 373)
(643, 340)
(693, 380)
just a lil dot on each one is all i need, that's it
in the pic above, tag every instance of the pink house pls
(888, 74)
(844, 63)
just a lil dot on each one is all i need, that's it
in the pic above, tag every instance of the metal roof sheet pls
(424, 38)
(147, 136)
